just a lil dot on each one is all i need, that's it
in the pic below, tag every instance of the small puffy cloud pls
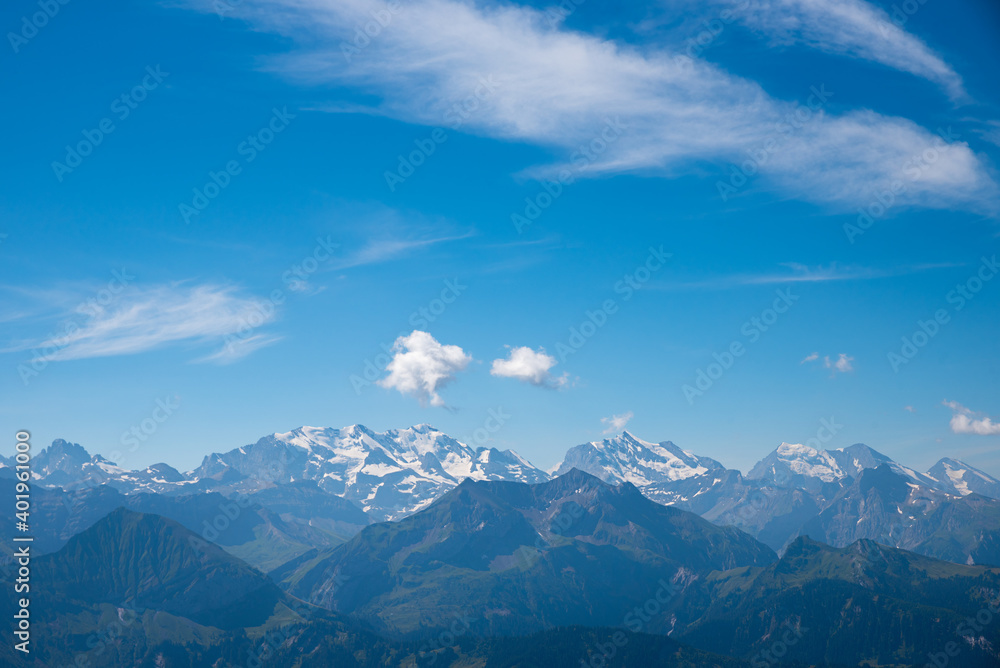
(842, 364)
(964, 421)
(421, 366)
(616, 423)
(529, 366)
(909, 409)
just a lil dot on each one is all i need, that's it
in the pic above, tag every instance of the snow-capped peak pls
(964, 479)
(625, 458)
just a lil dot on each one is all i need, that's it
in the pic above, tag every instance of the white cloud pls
(963, 421)
(143, 319)
(909, 409)
(383, 250)
(841, 364)
(421, 366)
(529, 366)
(616, 423)
(799, 273)
(557, 88)
(852, 28)
(236, 348)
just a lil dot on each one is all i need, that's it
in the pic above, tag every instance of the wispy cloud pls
(421, 366)
(852, 28)
(144, 319)
(795, 272)
(964, 421)
(383, 250)
(529, 366)
(558, 88)
(235, 348)
(812, 357)
(616, 423)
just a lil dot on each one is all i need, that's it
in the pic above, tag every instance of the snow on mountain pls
(626, 458)
(388, 474)
(962, 479)
(791, 461)
(805, 467)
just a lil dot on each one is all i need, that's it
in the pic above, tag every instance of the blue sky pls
(564, 154)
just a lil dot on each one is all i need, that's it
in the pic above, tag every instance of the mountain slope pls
(887, 507)
(520, 557)
(862, 604)
(149, 561)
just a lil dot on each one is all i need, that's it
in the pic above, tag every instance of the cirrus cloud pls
(147, 318)
(558, 88)
(852, 28)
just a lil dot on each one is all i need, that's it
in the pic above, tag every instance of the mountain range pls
(837, 496)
